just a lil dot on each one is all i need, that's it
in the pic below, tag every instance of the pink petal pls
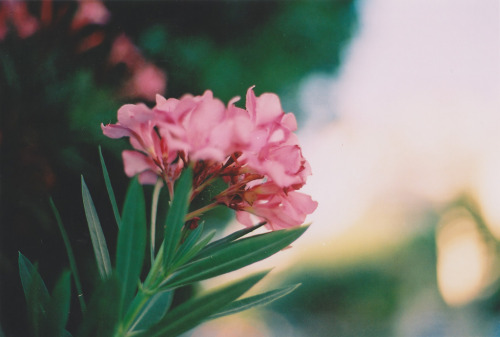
(208, 153)
(148, 178)
(248, 219)
(302, 202)
(268, 108)
(289, 121)
(115, 131)
(251, 103)
(165, 108)
(130, 115)
(135, 162)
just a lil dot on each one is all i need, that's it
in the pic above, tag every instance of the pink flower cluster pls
(145, 79)
(254, 150)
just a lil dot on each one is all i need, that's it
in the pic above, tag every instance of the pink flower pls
(90, 12)
(17, 14)
(154, 157)
(124, 51)
(145, 79)
(146, 82)
(270, 203)
(254, 150)
(197, 125)
(274, 149)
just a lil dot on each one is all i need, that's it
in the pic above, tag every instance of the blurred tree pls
(228, 46)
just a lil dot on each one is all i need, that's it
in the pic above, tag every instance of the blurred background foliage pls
(66, 67)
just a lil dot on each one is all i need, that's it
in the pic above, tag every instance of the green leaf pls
(37, 299)
(213, 246)
(176, 215)
(236, 255)
(109, 188)
(250, 302)
(48, 316)
(188, 243)
(101, 318)
(193, 251)
(29, 275)
(71, 256)
(194, 311)
(153, 311)
(58, 308)
(96, 234)
(131, 242)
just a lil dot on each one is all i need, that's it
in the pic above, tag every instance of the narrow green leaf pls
(153, 311)
(37, 300)
(109, 188)
(71, 256)
(29, 274)
(101, 318)
(188, 243)
(41, 308)
(194, 311)
(176, 215)
(58, 308)
(213, 246)
(96, 234)
(131, 242)
(234, 256)
(193, 251)
(250, 302)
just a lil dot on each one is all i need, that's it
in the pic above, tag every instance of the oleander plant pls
(250, 160)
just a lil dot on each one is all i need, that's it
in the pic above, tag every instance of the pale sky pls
(417, 106)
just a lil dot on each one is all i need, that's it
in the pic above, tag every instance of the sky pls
(412, 118)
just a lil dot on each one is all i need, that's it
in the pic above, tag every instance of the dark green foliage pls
(176, 215)
(191, 313)
(250, 302)
(47, 314)
(103, 312)
(58, 308)
(235, 255)
(96, 234)
(119, 307)
(156, 307)
(131, 244)
(71, 256)
(109, 188)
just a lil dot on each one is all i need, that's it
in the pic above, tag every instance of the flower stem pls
(201, 187)
(200, 211)
(143, 295)
(154, 211)
(136, 306)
